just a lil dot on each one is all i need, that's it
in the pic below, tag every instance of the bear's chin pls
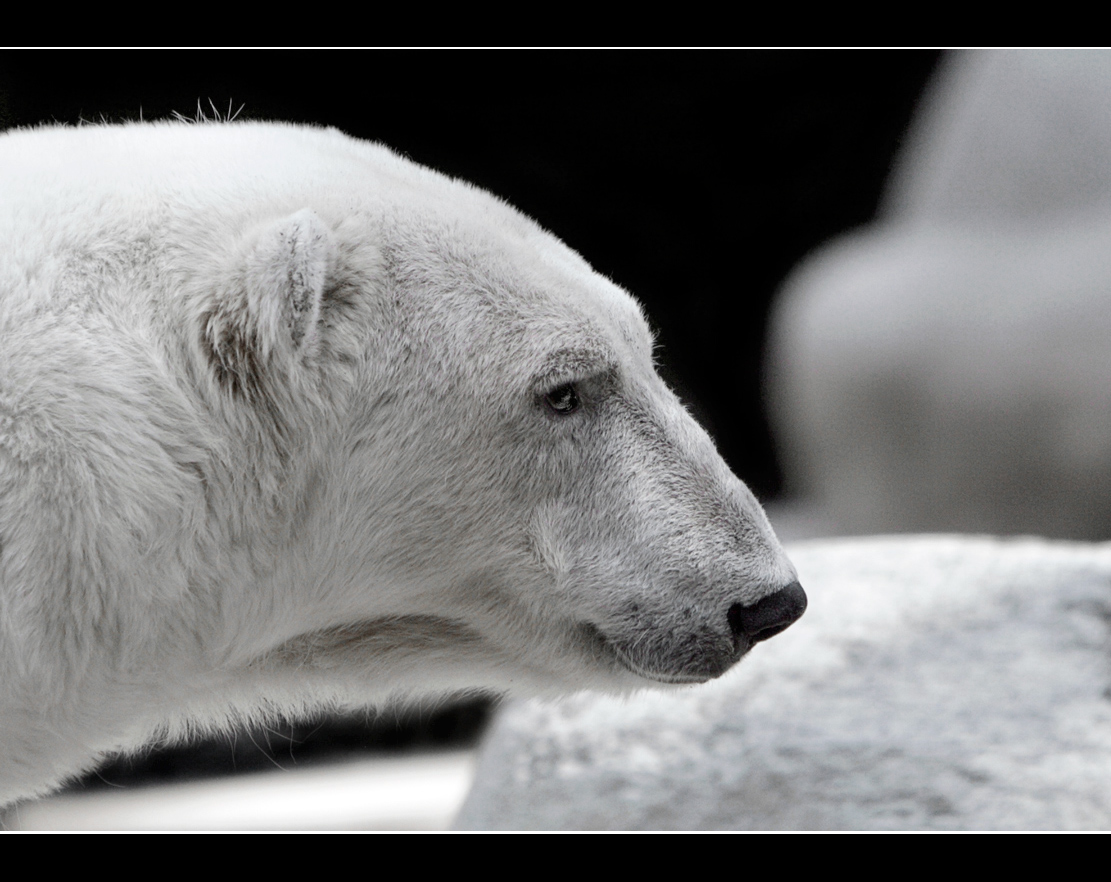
(704, 669)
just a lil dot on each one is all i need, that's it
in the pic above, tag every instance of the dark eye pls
(563, 399)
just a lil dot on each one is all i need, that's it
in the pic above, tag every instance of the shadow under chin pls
(377, 639)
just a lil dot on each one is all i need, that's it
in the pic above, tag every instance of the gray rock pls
(1005, 135)
(947, 368)
(934, 683)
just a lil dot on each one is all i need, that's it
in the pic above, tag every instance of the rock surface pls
(934, 683)
(946, 367)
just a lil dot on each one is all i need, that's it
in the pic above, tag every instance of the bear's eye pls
(563, 399)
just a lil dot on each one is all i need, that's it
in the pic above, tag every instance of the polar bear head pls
(287, 419)
(491, 485)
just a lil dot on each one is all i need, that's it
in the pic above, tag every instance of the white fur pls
(273, 435)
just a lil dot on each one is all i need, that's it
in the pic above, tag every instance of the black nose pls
(768, 616)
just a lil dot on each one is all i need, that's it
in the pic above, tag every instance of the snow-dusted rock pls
(935, 683)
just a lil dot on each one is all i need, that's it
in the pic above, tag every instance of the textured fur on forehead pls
(464, 229)
(470, 278)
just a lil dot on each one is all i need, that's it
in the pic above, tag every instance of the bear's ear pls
(271, 313)
(286, 273)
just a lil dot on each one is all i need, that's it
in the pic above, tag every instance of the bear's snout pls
(767, 617)
(698, 652)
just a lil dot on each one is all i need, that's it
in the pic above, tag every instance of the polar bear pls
(289, 421)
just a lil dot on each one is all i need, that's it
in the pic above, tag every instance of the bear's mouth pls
(606, 650)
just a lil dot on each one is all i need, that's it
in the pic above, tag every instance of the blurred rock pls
(948, 368)
(934, 683)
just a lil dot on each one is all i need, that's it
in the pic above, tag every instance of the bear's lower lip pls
(660, 676)
(603, 646)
